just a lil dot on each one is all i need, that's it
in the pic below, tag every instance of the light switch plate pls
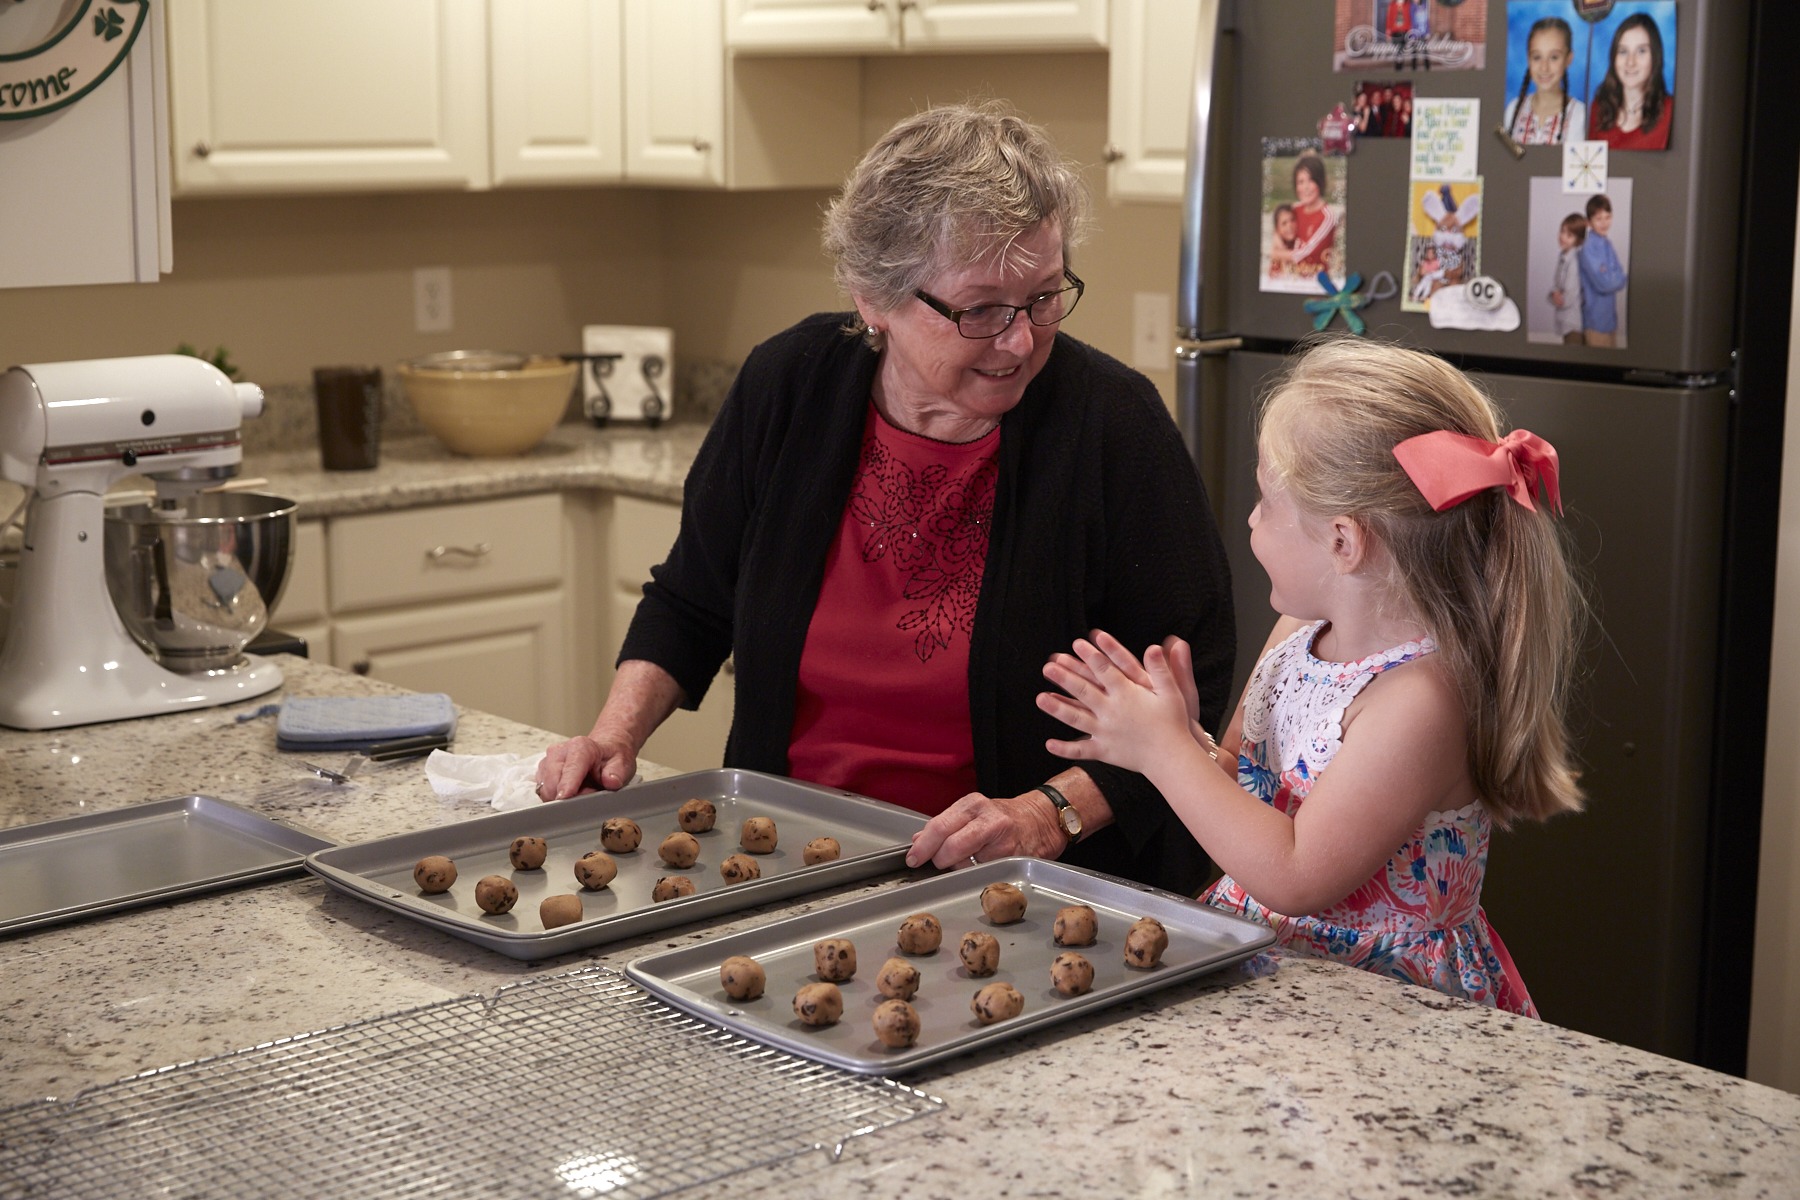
(1153, 331)
(636, 386)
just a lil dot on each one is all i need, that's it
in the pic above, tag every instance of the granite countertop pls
(1289, 1077)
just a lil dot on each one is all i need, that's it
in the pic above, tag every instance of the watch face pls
(1071, 821)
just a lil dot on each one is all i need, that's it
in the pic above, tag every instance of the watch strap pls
(1066, 814)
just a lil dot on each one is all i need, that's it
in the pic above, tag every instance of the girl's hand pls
(1556, 299)
(1132, 713)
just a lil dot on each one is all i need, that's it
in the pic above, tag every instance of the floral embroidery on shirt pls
(933, 526)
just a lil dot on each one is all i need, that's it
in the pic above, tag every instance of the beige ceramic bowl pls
(488, 404)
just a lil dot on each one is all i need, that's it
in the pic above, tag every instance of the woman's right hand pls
(577, 765)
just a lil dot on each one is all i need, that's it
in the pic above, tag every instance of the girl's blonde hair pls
(1490, 578)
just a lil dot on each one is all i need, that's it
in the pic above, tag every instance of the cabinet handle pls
(702, 145)
(1111, 153)
(875, 5)
(906, 4)
(440, 553)
(361, 666)
(202, 149)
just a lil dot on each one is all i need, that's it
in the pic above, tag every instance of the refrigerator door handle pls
(1193, 219)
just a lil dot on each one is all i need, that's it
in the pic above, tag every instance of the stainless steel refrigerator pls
(1631, 920)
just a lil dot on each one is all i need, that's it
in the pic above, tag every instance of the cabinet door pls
(330, 94)
(931, 25)
(1150, 97)
(503, 656)
(674, 92)
(557, 101)
(812, 26)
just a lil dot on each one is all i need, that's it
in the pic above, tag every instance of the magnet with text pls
(1411, 35)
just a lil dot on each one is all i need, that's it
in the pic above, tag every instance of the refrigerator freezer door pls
(1601, 910)
(1275, 80)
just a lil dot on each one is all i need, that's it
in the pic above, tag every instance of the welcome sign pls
(73, 61)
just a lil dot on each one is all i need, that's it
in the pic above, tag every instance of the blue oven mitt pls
(357, 722)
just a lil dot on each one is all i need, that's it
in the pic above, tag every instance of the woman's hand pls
(983, 827)
(1132, 713)
(571, 767)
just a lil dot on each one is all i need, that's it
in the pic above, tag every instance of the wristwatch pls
(1065, 812)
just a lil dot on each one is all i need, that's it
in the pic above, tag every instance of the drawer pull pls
(473, 553)
(361, 666)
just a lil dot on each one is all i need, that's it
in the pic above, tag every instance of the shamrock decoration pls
(1335, 301)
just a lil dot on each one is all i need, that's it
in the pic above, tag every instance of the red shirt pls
(1656, 137)
(882, 705)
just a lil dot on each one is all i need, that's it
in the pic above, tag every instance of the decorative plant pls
(220, 358)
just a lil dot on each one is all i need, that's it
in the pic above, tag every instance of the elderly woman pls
(899, 515)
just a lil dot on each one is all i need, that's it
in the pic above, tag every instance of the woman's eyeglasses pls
(992, 320)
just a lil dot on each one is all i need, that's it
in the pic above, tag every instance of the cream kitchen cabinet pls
(557, 104)
(638, 535)
(467, 599)
(1150, 97)
(330, 94)
(913, 26)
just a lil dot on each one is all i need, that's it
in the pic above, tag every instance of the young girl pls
(1632, 108)
(1285, 236)
(1412, 697)
(1551, 112)
(1565, 292)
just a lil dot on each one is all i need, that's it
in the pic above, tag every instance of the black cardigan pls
(1100, 521)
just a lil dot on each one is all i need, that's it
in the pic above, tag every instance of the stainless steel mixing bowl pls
(194, 587)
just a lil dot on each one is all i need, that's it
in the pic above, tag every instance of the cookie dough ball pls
(980, 953)
(496, 894)
(740, 868)
(758, 835)
(669, 887)
(896, 1024)
(819, 1004)
(434, 874)
(997, 1002)
(1003, 903)
(821, 849)
(528, 853)
(1145, 942)
(1075, 925)
(834, 959)
(595, 869)
(921, 934)
(742, 977)
(1071, 973)
(621, 835)
(696, 816)
(899, 979)
(560, 910)
(679, 850)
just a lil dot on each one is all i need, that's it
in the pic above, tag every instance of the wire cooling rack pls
(571, 1086)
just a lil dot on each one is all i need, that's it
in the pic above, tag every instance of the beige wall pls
(288, 283)
(1774, 1054)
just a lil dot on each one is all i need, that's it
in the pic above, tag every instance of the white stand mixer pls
(68, 431)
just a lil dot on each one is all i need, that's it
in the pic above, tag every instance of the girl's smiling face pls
(1633, 60)
(1305, 189)
(1284, 226)
(1565, 238)
(1549, 60)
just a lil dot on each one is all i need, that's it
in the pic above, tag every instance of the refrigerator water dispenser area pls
(629, 373)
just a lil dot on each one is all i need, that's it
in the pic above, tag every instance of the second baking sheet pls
(1201, 939)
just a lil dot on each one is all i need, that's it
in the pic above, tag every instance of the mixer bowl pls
(194, 587)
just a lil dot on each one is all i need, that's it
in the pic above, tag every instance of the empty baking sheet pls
(1201, 939)
(77, 867)
(874, 837)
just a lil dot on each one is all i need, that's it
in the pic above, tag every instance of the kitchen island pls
(1283, 1077)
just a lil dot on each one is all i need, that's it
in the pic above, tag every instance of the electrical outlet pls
(431, 300)
(1153, 331)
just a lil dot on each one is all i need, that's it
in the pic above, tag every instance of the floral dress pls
(1419, 918)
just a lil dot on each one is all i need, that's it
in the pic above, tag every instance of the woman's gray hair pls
(950, 186)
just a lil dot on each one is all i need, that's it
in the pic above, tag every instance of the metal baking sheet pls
(77, 867)
(1201, 939)
(874, 837)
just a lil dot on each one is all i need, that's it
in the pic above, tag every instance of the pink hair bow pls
(1449, 467)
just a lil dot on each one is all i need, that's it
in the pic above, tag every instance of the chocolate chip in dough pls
(742, 977)
(434, 874)
(697, 815)
(621, 835)
(758, 835)
(496, 894)
(997, 1002)
(563, 909)
(595, 869)
(920, 934)
(528, 853)
(896, 1024)
(898, 980)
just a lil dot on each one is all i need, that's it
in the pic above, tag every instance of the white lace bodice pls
(1296, 702)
